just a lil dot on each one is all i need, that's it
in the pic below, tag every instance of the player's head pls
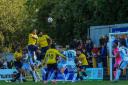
(60, 48)
(78, 52)
(71, 46)
(53, 46)
(122, 42)
(18, 49)
(34, 31)
(67, 47)
(25, 50)
(115, 44)
(94, 46)
(40, 33)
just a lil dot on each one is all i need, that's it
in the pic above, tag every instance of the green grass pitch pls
(69, 83)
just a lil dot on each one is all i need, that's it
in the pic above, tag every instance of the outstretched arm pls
(61, 55)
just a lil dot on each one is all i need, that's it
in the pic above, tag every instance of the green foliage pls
(71, 18)
(12, 15)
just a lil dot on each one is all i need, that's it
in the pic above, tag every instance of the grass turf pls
(69, 83)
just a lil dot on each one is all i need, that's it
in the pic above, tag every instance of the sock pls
(74, 77)
(81, 78)
(84, 74)
(67, 76)
(114, 72)
(43, 73)
(81, 75)
(17, 77)
(34, 75)
(64, 76)
(51, 75)
(21, 77)
(46, 76)
(118, 73)
(55, 76)
(78, 76)
(38, 76)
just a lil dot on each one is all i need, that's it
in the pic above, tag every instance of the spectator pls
(89, 47)
(102, 40)
(122, 39)
(95, 51)
(103, 55)
(74, 43)
(80, 45)
(106, 38)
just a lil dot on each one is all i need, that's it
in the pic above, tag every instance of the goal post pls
(111, 56)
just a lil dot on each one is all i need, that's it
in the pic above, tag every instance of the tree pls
(71, 18)
(12, 15)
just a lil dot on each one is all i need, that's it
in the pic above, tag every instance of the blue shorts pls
(43, 51)
(32, 48)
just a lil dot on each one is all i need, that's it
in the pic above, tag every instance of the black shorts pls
(52, 67)
(83, 67)
(18, 65)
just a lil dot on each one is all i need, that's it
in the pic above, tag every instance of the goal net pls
(112, 37)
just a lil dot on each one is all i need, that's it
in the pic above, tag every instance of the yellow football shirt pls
(32, 39)
(42, 41)
(82, 59)
(18, 56)
(51, 56)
